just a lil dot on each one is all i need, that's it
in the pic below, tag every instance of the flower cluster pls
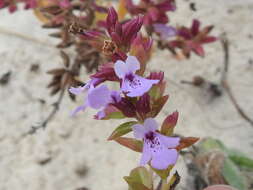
(138, 97)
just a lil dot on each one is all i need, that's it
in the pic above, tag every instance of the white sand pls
(71, 145)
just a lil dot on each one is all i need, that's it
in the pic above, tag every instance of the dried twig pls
(225, 84)
(43, 125)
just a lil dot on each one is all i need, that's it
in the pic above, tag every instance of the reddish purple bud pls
(169, 123)
(118, 29)
(143, 106)
(119, 55)
(209, 39)
(126, 107)
(168, 5)
(131, 28)
(111, 19)
(12, 8)
(195, 27)
(185, 33)
(116, 38)
(106, 73)
(2, 4)
(156, 76)
(92, 34)
(154, 14)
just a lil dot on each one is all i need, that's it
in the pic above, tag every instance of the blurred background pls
(74, 152)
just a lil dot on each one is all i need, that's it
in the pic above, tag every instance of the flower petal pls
(146, 155)
(165, 31)
(150, 125)
(98, 97)
(139, 131)
(120, 69)
(100, 115)
(163, 158)
(115, 97)
(132, 64)
(169, 142)
(78, 109)
(138, 86)
(77, 90)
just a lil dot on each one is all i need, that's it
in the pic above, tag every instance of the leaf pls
(158, 105)
(139, 179)
(169, 124)
(130, 143)
(122, 130)
(240, 159)
(112, 112)
(163, 173)
(232, 175)
(56, 72)
(209, 144)
(186, 142)
(157, 90)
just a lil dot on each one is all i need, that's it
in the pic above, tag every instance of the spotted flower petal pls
(135, 85)
(158, 149)
(163, 158)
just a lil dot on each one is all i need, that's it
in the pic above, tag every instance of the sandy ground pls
(58, 157)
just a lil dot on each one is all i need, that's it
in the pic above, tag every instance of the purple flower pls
(165, 31)
(114, 98)
(158, 148)
(132, 84)
(96, 97)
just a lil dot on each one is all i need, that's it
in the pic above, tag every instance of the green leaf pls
(130, 143)
(139, 179)
(209, 144)
(163, 173)
(240, 159)
(115, 115)
(122, 130)
(232, 175)
(158, 105)
(112, 112)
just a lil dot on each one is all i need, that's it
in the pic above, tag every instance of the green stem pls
(165, 186)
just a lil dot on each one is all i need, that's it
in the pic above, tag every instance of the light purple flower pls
(132, 84)
(158, 148)
(165, 31)
(114, 98)
(95, 97)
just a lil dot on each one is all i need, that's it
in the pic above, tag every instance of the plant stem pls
(165, 186)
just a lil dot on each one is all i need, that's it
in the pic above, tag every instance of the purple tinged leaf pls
(122, 130)
(158, 105)
(169, 123)
(195, 27)
(130, 143)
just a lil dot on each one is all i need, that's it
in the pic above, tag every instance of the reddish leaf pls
(158, 105)
(169, 123)
(131, 143)
(186, 142)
